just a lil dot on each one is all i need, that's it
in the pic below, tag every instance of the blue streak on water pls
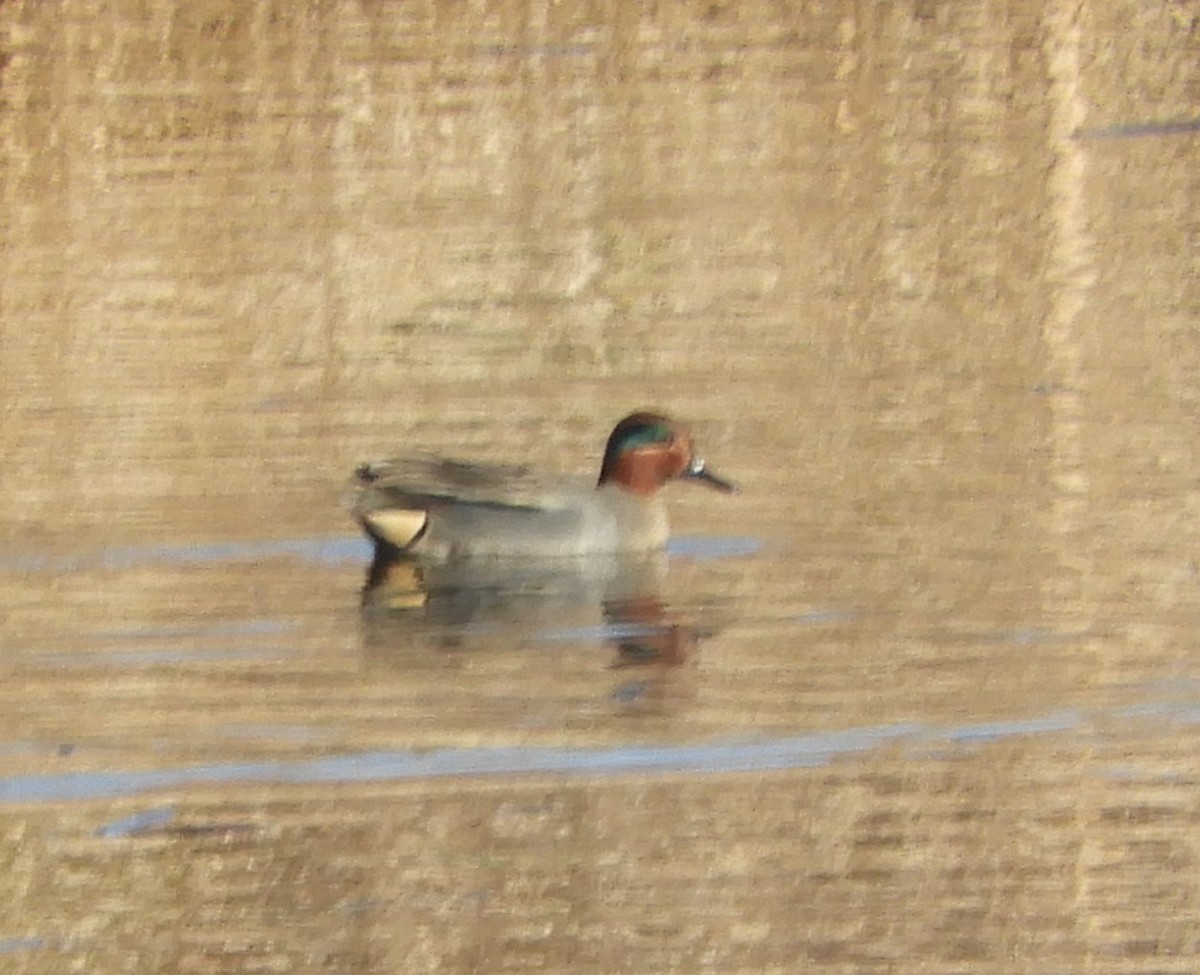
(993, 731)
(333, 551)
(1129, 773)
(630, 631)
(9, 946)
(825, 616)
(612, 631)
(742, 755)
(27, 563)
(224, 628)
(1161, 710)
(394, 765)
(1032, 636)
(273, 732)
(156, 657)
(1134, 130)
(135, 824)
(706, 548)
(20, 748)
(1172, 685)
(322, 551)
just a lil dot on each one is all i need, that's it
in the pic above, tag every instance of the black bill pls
(697, 471)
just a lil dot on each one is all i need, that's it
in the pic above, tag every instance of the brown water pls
(923, 277)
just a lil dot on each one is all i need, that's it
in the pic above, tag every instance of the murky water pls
(922, 277)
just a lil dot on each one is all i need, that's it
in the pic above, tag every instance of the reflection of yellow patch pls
(403, 586)
(397, 525)
(405, 600)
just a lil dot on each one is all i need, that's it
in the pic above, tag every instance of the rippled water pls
(922, 279)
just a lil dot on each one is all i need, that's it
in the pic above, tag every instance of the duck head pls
(646, 450)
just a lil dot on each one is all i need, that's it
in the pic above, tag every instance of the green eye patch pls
(644, 436)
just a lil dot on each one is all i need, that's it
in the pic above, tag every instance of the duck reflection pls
(476, 604)
(645, 633)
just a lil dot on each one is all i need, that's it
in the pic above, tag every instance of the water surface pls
(922, 279)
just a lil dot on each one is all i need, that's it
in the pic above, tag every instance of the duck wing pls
(419, 481)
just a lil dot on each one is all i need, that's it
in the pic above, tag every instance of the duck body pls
(440, 509)
(472, 510)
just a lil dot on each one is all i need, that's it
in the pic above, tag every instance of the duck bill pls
(698, 471)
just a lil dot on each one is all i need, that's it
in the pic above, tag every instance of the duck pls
(441, 509)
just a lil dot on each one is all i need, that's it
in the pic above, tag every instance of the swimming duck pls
(447, 509)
